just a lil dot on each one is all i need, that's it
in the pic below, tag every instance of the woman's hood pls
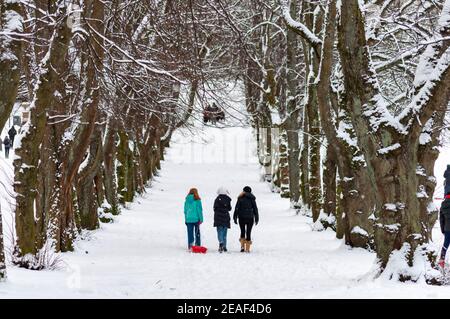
(223, 191)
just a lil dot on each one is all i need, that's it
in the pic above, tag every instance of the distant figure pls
(209, 115)
(213, 114)
(247, 213)
(221, 115)
(7, 143)
(447, 180)
(12, 134)
(444, 219)
(193, 217)
(222, 207)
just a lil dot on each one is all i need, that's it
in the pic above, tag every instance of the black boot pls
(220, 248)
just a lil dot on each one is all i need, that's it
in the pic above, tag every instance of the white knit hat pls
(223, 191)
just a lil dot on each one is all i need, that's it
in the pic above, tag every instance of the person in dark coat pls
(247, 213)
(207, 114)
(221, 115)
(12, 134)
(447, 180)
(213, 113)
(444, 219)
(222, 207)
(7, 143)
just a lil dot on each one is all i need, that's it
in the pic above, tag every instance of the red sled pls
(199, 249)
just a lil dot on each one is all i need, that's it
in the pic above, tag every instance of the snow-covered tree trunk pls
(26, 163)
(265, 136)
(10, 55)
(86, 192)
(283, 165)
(2, 250)
(293, 112)
(138, 179)
(145, 146)
(355, 206)
(109, 169)
(304, 163)
(390, 144)
(330, 188)
(315, 182)
(313, 19)
(326, 117)
(357, 200)
(125, 180)
(310, 180)
(88, 201)
(71, 142)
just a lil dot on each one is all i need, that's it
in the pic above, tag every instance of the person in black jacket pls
(444, 219)
(447, 180)
(7, 143)
(247, 213)
(222, 207)
(12, 134)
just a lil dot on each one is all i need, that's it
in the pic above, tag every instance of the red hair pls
(194, 191)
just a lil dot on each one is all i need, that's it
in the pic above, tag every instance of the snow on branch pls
(141, 28)
(12, 21)
(298, 27)
(378, 114)
(142, 63)
(444, 19)
(360, 231)
(433, 65)
(389, 148)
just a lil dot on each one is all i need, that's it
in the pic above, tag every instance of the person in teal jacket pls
(193, 217)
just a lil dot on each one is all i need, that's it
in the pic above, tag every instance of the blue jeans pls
(446, 244)
(222, 235)
(193, 229)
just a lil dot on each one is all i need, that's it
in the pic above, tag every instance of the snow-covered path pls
(143, 254)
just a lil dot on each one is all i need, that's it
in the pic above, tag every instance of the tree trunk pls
(87, 194)
(340, 218)
(109, 169)
(330, 188)
(315, 181)
(283, 165)
(304, 164)
(27, 159)
(10, 53)
(124, 170)
(138, 167)
(2, 250)
(401, 218)
(292, 122)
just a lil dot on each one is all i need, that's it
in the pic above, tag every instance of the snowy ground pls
(143, 253)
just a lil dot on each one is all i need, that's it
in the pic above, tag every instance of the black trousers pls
(246, 228)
